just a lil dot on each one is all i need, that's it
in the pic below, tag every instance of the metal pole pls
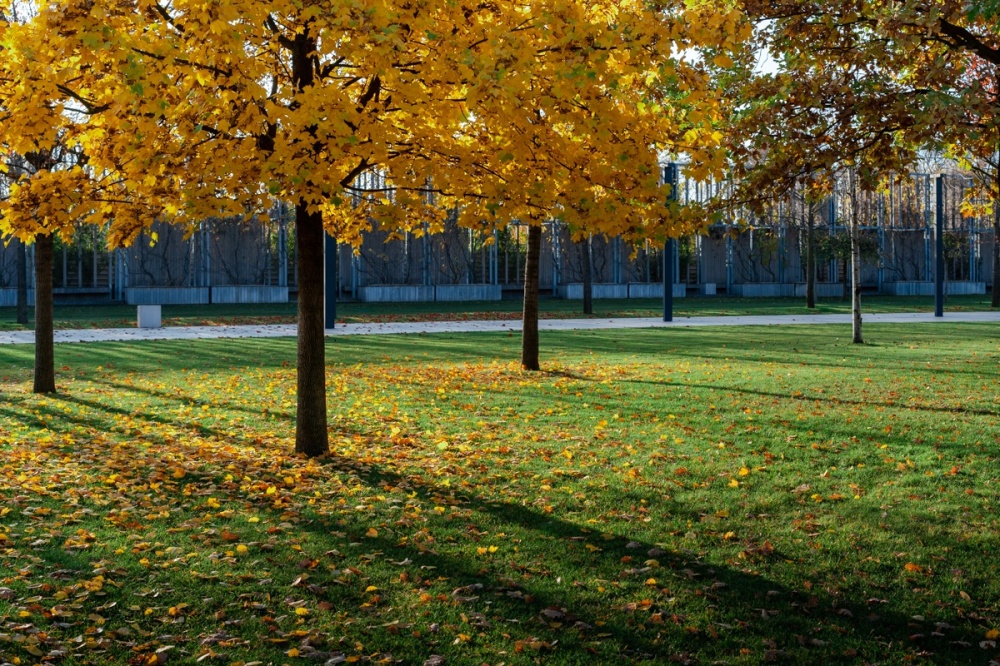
(939, 247)
(670, 178)
(330, 281)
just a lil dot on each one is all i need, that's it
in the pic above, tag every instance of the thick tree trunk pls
(22, 283)
(310, 427)
(45, 365)
(588, 276)
(810, 258)
(311, 436)
(529, 323)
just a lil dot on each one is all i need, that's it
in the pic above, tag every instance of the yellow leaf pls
(301, 611)
(744, 471)
(723, 60)
(733, 483)
(992, 634)
(371, 533)
(293, 652)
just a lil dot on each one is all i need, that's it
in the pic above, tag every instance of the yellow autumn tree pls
(203, 107)
(50, 187)
(44, 183)
(576, 118)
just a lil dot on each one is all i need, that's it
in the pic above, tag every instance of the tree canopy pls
(502, 110)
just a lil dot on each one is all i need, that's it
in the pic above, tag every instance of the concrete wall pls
(8, 297)
(249, 294)
(574, 291)
(927, 288)
(166, 295)
(423, 294)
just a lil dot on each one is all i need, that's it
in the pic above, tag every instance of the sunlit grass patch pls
(738, 495)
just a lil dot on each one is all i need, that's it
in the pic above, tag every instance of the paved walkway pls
(286, 330)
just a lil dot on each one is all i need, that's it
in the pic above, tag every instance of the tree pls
(43, 201)
(44, 183)
(875, 81)
(850, 91)
(581, 140)
(201, 110)
(976, 146)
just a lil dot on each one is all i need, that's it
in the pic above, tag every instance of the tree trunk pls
(310, 427)
(22, 283)
(529, 323)
(311, 437)
(995, 296)
(588, 276)
(810, 258)
(848, 261)
(858, 339)
(45, 365)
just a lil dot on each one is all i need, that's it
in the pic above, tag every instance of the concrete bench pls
(149, 316)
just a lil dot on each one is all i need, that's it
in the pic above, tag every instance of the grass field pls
(117, 316)
(736, 496)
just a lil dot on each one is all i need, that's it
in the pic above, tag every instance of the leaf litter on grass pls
(704, 508)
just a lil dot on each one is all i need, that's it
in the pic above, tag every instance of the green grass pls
(654, 496)
(117, 316)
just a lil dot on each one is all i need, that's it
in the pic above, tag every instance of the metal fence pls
(253, 260)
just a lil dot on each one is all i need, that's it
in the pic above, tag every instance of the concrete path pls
(287, 330)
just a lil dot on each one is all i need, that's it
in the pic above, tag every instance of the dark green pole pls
(330, 291)
(669, 247)
(939, 247)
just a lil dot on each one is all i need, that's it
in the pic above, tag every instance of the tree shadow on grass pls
(696, 610)
(754, 605)
(187, 400)
(833, 400)
(540, 600)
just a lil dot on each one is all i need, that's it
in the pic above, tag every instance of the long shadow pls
(532, 607)
(194, 427)
(173, 397)
(723, 584)
(816, 398)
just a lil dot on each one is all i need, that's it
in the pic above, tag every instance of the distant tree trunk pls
(22, 283)
(588, 276)
(310, 426)
(810, 257)
(855, 231)
(45, 365)
(529, 324)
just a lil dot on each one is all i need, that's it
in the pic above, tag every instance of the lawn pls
(731, 495)
(118, 316)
